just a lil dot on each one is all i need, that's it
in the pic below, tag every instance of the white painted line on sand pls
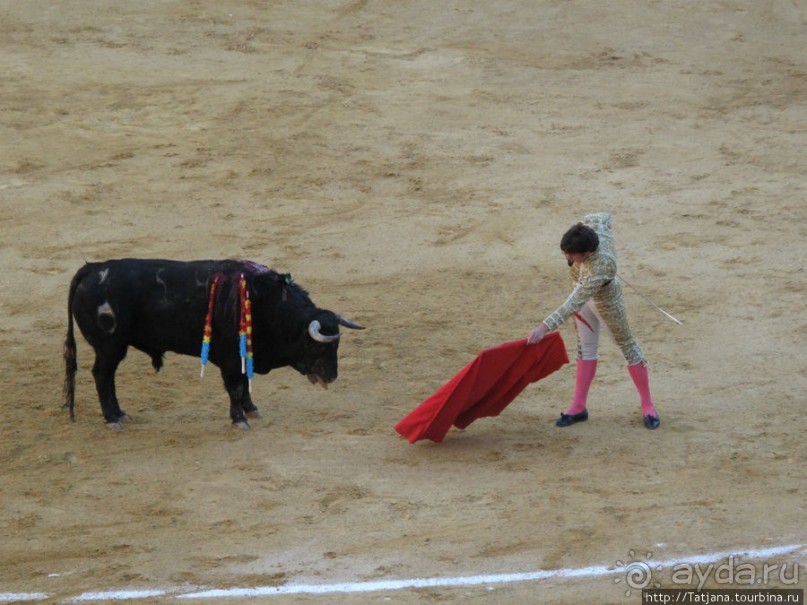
(119, 595)
(394, 585)
(469, 581)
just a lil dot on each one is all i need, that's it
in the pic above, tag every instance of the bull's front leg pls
(249, 408)
(237, 388)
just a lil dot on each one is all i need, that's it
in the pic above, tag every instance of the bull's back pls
(152, 304)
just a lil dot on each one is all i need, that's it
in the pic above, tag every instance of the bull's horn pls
(314, 332)
(349, 324)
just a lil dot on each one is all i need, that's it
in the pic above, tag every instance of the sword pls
(647, 300)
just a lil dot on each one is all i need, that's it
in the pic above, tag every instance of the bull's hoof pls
(115, 426)
(241, 424)
(254, 414)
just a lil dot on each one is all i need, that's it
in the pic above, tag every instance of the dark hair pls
(579, 240)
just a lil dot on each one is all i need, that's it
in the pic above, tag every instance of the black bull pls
(157, 306)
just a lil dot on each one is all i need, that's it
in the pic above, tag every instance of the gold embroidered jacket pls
(596, 279)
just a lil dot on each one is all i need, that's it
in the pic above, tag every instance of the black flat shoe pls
(652, 422)
(570, 419)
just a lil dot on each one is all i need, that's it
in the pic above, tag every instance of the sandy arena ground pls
(413, 165)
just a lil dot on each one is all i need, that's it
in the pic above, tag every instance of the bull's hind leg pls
(237, 389)
(106, 364)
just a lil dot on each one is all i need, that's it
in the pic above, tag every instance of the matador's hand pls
(537, 334)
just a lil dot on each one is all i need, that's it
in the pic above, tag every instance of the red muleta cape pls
(484, 387)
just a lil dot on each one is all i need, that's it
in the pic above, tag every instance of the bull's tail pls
(70, 361)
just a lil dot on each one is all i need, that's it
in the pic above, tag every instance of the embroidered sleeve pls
(593, 276)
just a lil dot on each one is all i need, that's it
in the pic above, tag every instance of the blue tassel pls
(250, 372)
(205, 354)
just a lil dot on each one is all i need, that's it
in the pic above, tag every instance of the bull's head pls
(319, 361)
(292, 331)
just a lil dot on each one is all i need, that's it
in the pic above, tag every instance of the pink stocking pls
(640, 378)
(586, 368)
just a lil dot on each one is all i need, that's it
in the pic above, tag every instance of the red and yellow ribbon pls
(208, 333)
